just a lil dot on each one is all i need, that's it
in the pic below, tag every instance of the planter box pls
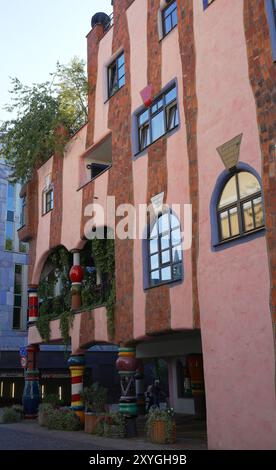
(158, 433)
(91, 421)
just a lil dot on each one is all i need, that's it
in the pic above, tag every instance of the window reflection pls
(240, 208)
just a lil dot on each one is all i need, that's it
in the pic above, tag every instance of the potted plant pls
(95, 398)
(160, 425)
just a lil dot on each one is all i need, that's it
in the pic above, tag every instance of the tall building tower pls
(13, 288)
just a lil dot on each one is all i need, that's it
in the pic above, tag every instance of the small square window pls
(116, 75)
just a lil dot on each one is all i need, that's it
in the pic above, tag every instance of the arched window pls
(165, 251)
(240, 206)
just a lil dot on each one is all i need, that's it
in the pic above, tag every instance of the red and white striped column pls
(33, 312)
(77, 366)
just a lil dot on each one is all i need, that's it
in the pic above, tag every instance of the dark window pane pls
(10, 216)
(172, 117)
(17, 300)
(177, 271)
(158, 128)
(144, 137)
(16, 317)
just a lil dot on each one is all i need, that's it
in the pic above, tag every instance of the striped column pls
(76, 276)
(31, 394)
(127, 365)
(77, 366)
(33, 313)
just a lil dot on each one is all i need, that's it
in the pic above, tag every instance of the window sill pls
(114, 94)
(166, 35)
(165, 283)
(244, 236)
(164, 136)
(93, 179)
(45, 213)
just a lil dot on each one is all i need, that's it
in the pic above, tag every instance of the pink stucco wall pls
(71, 198)
(178, 180)
(44, 223)
(137, 24)
(233, 283)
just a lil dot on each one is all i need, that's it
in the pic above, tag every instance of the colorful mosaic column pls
(127, 365)
(31, 394)
(76, 366)
(33, 313)
(76, 277)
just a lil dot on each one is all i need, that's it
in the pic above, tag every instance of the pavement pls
(28, 435)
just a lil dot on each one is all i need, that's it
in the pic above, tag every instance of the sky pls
(35, 34)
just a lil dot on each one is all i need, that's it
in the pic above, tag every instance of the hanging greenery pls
(104, 256)
(66, 322)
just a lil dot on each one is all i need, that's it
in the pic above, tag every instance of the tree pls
(30, 138)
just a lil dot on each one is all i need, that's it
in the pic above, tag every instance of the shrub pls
(63, 419)
(95, 398)
(43, 413)
(53, 400)
(9, 415)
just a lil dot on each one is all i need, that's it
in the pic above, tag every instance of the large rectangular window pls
(169, 18)
(17, 304)
(159, 119)
(116, 75)
(9, 243)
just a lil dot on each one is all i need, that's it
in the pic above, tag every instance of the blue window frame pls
(206, 3)
(271, 18)
(165, 250)
(159, 119)
(116, 75)
(169, 18)
(236, 206)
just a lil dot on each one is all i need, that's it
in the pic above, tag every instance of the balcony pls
(96, 160)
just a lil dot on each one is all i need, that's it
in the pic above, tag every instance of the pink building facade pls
(181, 112)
